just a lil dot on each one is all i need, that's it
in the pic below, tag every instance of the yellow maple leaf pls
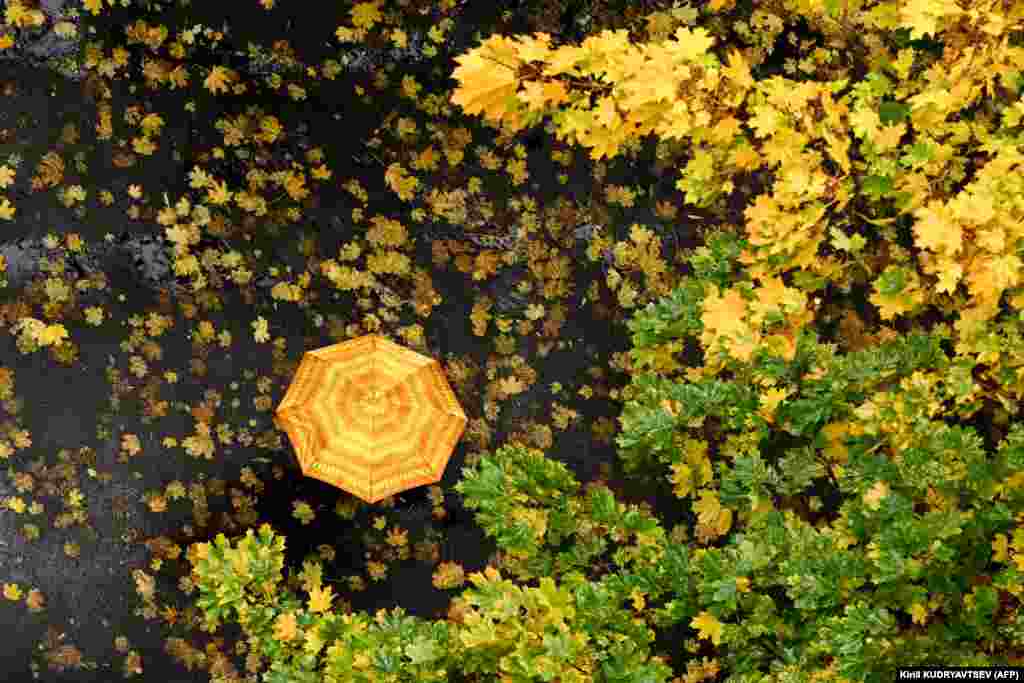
(691, 43)
(534, 48)
(487, 78)
(199, 178)
(919, 613)
(151, 123)
(1000, 548)
(921, 17)
(6, 209)
(708, 626)
(400, 182)
(218, 192)
(724, 315)
(51, 335)
(286, 627)
(738, 70)
(770, 401)
(320, 599)
(219, 79)
(510, 385)
(682, 477)
(365, 14)
(934, 229)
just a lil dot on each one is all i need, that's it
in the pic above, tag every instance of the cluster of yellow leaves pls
(201, 443)
(41, 333)
(220, 79)
(448, 575)
(19, 14)
(96, 6)
(71, 195)
(734, 321)
(695, 470)
(480, 316)
(49, 171)
(386, 232)
(1001, 548)
(401, 182)
(261, 332)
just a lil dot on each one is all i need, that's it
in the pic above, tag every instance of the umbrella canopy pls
(371, 417)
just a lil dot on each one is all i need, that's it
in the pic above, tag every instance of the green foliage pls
(576, 629)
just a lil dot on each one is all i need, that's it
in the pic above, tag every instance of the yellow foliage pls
(400, 182)
(219, 79)
(386, 232)
(708, 626)
(365, 14)
(487, 79)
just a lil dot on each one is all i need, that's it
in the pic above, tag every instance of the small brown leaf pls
(35, 600)
(64, 657)
(123, 159)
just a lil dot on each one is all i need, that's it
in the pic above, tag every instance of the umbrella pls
(371, 417)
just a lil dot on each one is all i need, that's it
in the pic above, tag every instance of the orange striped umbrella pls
(371, 417)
